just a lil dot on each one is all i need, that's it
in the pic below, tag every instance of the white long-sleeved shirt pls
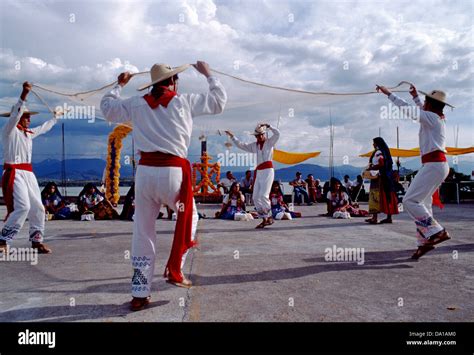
(264, 154)
(432, 133)
(18, 147)
(164, 129)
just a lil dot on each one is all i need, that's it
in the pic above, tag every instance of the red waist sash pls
(8, 180)
(182, 240)
(433, 157)
(265, 165)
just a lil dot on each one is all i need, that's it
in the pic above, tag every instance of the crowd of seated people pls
(91, 200)
(299, 189)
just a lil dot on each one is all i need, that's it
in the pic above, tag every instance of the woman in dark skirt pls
(382, 196)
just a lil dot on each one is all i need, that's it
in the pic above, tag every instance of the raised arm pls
(425, 117)
(112, 106)
(45, 127)
(17, 110)
(210, 103)
(248, 147)
(275, 136)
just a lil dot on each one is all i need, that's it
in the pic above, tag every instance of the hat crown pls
(159, 71)
(439, 95)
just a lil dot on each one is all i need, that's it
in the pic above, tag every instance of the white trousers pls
(27, 204)
(261, 192)
(418, 198)
(154, 187)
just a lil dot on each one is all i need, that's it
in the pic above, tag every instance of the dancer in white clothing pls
(20, 187)
(265, 173)
(432, 135)
(162, 126)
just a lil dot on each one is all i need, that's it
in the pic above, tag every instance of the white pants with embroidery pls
(27, 204)
(418, 199)
(154, 187)
(261, 192)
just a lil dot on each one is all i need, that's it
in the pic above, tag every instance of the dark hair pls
(157, 89)
(346, 176)
(435, 105)
(232, 186)
(333, 182)
(45, 192)
(298, 173)
(383, 147)
(276, 183)
(229, 172)
(309, 175)
(359, 178)
(248, 171)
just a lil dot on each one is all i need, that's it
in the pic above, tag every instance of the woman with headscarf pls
(53, 202)
(382, 197)
(90, 199)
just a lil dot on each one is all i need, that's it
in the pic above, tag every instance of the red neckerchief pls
(25, 130)
(166, 95)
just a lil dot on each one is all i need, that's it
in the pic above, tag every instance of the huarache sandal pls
(261, 225)
(41, 247)
(439, 237)
(185, 283)
(139, 303)
(422, 250)
(386, 220)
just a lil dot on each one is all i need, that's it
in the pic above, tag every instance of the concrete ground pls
(243, 274)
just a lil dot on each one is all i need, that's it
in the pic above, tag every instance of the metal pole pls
(63, 163)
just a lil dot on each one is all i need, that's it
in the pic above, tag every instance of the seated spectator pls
(338, 201)
(233, 204)
(348, 184)
(129, 205)
(246, 183)
(314, 189)
(54, 203)
(358, 186)
(227, 182)
(280, 209)
(90, 199)
(299, 186)
(398, 188)
(319, 191)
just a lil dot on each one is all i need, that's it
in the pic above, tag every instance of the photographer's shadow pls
(71, 313)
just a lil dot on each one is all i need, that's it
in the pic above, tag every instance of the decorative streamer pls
(112, 179)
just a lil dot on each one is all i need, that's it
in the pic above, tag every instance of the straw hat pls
(260, 129)
(160, 72)
(437, 95)
(7, 114)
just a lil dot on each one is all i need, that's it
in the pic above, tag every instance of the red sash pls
(182, 234)
(265, 165)
(433, 157)
(164, 99)
(8, 180)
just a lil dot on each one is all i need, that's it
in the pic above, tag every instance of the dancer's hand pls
(203, 68)
(124, 78)
(383, 89)
(413, 91)
(229, 133)
(26, 90)
(265, 125)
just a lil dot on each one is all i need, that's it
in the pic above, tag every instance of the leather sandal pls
(185, 283)
(3, 248)
(42, 248)
(386, 220)
(439, 237)
(261, 225)
(422, 250)
(139, 303)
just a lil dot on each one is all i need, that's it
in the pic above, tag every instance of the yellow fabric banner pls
(406, 153)
(283, 157)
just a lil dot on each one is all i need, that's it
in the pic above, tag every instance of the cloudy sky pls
(339, 46)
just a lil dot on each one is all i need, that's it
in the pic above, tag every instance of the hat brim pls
(434, 98)
(164, 77)
(7, 114)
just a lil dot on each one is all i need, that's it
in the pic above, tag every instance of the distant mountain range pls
(92, 169)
